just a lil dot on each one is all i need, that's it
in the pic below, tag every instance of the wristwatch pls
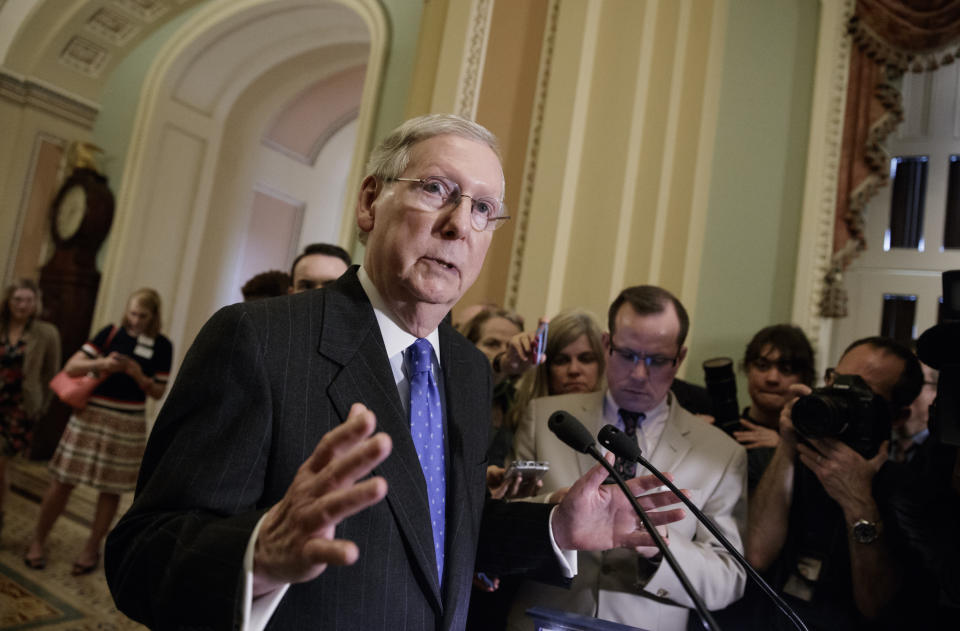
(865, 531)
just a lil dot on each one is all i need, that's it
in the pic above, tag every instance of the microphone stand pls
(575, 435)
(705, 617)
(613, 439)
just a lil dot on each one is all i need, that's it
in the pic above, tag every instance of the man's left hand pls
(597, 516)
(845, 475)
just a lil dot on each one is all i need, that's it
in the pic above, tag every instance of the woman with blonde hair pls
(103, 443)
(574, 362)
(29, 358)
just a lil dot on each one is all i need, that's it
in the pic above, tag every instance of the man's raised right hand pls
(295, 543)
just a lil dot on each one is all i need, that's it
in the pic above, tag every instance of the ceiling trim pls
(38, 95)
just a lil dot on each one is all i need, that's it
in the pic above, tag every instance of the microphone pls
(624, 447)
(572, 432)
(621, 445)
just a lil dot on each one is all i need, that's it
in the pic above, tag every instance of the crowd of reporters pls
(853, 526)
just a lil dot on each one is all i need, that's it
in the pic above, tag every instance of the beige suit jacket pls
(702, 459)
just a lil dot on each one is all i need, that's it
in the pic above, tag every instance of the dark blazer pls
(262, 383)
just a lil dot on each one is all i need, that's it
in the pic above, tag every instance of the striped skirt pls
(101, 448)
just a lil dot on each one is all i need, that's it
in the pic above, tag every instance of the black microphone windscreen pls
(571, 431)
(619, 443)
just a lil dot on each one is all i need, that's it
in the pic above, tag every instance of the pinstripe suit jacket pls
(262, 383)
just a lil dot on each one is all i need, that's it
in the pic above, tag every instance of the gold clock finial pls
(82, 155)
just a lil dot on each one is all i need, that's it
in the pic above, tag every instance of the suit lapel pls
(351, 338)
(590, 408)
(673, 445)
(467, 432)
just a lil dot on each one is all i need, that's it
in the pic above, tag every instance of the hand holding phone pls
(540, 342)
(523, 477)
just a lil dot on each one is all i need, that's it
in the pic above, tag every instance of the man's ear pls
(369, 190)
(605, 340)
(681, 356)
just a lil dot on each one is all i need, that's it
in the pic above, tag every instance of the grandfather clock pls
(80, 218)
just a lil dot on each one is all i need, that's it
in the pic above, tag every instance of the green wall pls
(121, 97)
(756, 189)
(404, 20)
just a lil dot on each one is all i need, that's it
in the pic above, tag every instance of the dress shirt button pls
(662, 593)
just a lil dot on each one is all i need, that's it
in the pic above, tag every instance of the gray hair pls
(390, 158)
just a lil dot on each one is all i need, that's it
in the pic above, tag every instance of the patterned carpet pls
(51, 599)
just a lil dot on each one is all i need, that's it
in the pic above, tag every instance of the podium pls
(552, 620)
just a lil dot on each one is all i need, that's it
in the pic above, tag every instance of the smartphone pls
(540, 342)
(530, 471)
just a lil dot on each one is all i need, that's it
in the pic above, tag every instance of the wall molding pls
(471, 69)
(533, 151)
(38, 95)
(823, 160)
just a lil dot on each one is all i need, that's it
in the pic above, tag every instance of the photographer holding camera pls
(820, 520)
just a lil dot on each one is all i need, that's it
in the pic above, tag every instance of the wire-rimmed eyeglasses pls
(436, 193)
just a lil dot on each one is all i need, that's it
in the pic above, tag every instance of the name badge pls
(144, 347)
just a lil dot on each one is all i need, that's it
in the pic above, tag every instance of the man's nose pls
(641, 370)
(457, 222)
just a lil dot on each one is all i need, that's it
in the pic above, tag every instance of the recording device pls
(540, 342)
(939, 348)
(849, 411)
(722, 388)
(530, 472)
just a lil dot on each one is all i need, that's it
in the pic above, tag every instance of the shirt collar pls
(658, 413)
(395, 338)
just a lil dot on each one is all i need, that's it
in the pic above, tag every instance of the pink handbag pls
(75, 391)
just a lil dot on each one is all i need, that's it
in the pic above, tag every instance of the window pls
(899, 315)
(909, 176)
(951, 227)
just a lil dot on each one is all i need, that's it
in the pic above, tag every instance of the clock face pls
(70, 212)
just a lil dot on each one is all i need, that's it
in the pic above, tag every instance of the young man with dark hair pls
(317, 266)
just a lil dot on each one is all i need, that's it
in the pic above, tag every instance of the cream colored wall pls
(618, 182)
(243, 165)
(667, 145)
(505, 104)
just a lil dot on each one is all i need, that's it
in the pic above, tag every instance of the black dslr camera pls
(848, 411)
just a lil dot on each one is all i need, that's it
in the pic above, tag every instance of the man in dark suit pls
(255, 503)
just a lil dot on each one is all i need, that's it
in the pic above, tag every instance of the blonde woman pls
(575, 361)
(103, 444)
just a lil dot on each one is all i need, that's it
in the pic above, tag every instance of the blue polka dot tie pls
(426, 427)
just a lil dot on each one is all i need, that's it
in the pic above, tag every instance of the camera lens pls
(818, 416)
(722, 387)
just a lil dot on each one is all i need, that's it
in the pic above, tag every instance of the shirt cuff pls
(257, 611)
(566, 558)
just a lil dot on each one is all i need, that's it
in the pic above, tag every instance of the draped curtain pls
(890, 37)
